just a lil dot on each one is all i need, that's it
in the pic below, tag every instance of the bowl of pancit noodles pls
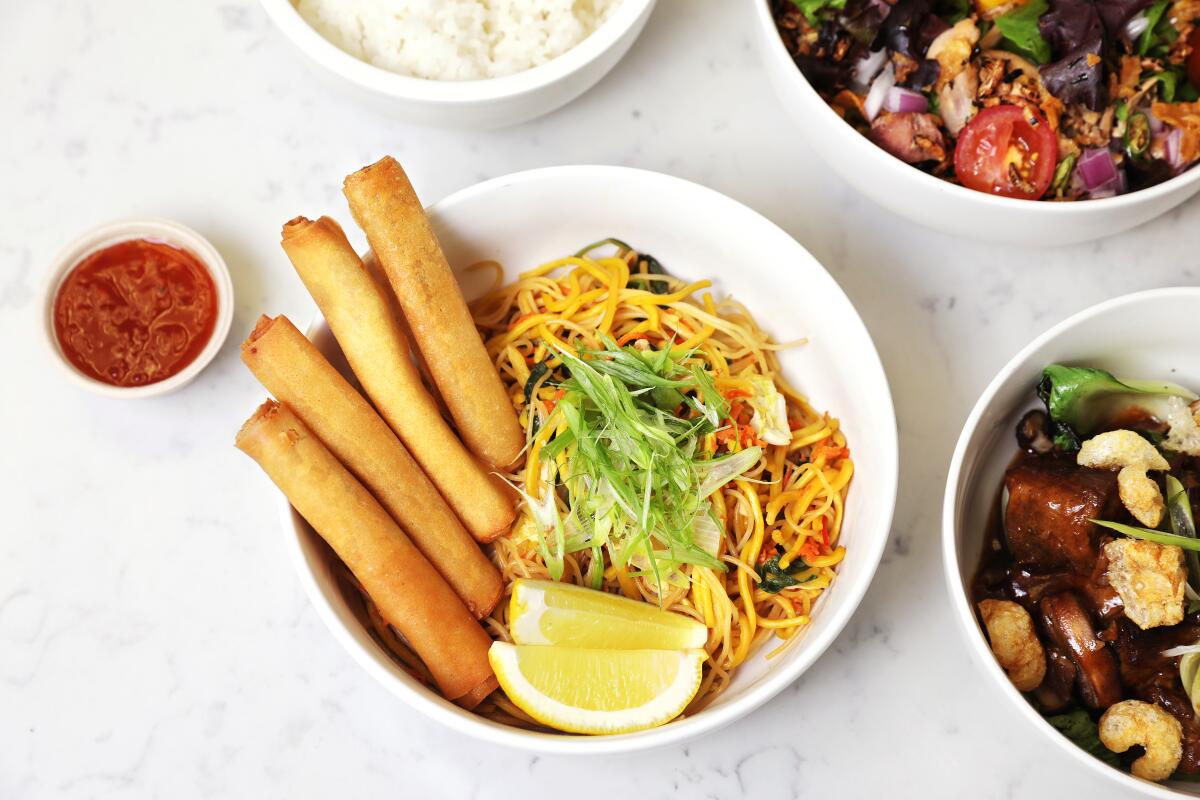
(708, 475)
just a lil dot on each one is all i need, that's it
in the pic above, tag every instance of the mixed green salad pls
(1030, 99)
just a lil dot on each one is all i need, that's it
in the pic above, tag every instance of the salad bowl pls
(939, 204)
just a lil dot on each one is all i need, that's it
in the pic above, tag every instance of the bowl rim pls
(861, 147)
(963, 611)
(126, 229)
(710, 719)
(454, 93)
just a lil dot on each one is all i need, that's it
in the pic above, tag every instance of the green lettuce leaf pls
(1021, 34)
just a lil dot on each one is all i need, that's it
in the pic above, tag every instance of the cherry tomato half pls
(1193, 64)
(1007, 150)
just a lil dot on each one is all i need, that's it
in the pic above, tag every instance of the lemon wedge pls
(597, 691)
(565, 615)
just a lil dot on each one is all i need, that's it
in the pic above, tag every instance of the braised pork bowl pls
(1070, 537)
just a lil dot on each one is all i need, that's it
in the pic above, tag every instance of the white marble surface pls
(153, 640)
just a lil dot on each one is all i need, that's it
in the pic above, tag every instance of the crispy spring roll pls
(387, 209)
(292, 369)
(359, 310)
(407, 590)
(372, 264)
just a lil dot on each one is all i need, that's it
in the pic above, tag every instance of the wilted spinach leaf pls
(536, 374)
(775, 578)
(646, 264)
(1081, 729)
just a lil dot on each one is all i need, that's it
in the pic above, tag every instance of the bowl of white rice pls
(464, 63)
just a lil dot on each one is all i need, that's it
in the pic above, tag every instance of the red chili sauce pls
(135, 313)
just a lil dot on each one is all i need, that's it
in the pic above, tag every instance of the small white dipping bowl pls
(526, 219)
(157, 230)
(486, 103)
(944, 206)
(1148, 335)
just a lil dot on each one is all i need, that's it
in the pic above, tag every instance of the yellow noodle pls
(778, 508)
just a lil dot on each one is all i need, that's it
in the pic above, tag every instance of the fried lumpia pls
(360, 312)
(295, 372)
(387, 209)
(409, 593)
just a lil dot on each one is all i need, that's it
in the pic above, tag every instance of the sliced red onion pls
(865, 69)
(1112, 188)
(1156, 124)
(900, 100)
(1137, 26)
(1158, 146)
(878, 92)
(1096, 168)
(1173, 147)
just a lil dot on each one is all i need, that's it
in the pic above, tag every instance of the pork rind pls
(1186, 117)
(1132, 455)
(1117, 449)
(1014, 642)
(1184, 436)
(1150, 578)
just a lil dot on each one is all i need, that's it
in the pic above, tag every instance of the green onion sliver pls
(1179, 509)
(1151, 536)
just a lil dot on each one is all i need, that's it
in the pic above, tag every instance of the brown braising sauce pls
(1142, 671)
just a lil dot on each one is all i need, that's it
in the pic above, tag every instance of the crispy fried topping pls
(1185, 116)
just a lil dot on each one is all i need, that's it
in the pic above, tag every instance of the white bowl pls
(531, 217)
(110, 233)
(488, 103)
(1149, 335)
(939, 204)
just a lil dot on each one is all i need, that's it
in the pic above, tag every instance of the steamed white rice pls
(455, 39)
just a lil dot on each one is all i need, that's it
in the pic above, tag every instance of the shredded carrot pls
(517, 320)
(554, 398)
(829, 453)
(810, 549)
(742, 434)
(629, 337)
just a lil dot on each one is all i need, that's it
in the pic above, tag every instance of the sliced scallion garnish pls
(625, 436)
(1159, 537)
